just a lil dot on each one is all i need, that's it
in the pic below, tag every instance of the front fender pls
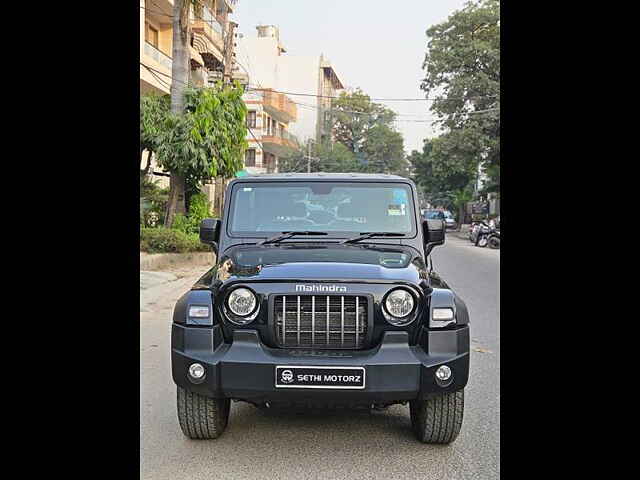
(193, 297)
(445, 298)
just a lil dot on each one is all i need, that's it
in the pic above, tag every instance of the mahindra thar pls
(322, 295)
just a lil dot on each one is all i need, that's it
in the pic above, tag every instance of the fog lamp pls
(196, 371)
(443, 373)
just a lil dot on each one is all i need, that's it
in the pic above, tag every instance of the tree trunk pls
(461, 215)
(179, 80)
(175, 204)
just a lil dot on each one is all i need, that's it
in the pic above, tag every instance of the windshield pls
(273, 207)
(436, 215)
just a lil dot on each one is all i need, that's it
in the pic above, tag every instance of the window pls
(333, 207)
(251, 119)
(152, 35)
(250, 158)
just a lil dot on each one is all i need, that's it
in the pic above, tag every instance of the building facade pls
(210, 28)
(268, 66)
(268, 116)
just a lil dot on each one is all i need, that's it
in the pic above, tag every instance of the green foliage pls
(153, 202)
(365, 141)
(462, 67)
(353, 115)
(325, 158)
(168, 240)
(208, 140)
(198, 210)
(384, 151)
(153, 111)
(441, 184)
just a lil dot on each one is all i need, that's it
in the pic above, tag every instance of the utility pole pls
(229, 42)
(228, 52)
(309, 157)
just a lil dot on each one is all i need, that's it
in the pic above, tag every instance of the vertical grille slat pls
(328, 312)
(320, 321)
(298, 319)
(342, 322)
(356, 321)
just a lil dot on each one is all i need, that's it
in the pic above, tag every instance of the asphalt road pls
(352, 445)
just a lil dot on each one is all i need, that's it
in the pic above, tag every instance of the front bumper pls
(245, 368)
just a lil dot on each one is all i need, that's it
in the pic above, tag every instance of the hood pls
(335, 262)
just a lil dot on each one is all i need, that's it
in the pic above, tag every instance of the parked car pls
(433, 215)
(339, 309)
(450, 222)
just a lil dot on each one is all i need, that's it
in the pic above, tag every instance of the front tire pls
(202, 417)
(438, 419)
(494, 242)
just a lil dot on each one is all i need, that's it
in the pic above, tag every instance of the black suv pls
(321, 296)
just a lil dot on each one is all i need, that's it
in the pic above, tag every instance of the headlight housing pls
(242, 303)
(399, 305)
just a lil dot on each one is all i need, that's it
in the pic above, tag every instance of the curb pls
(160, 261)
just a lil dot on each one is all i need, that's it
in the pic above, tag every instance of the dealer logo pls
(287, 376)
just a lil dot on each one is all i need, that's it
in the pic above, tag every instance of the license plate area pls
(296, 376)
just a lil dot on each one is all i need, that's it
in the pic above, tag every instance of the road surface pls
(352, 445)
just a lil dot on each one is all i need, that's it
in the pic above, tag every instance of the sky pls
(376, 45)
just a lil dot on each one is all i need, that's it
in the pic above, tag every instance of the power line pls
(152, 72)
(381, 99)
(254, 137)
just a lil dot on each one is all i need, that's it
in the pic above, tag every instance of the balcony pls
(279, 143)
(279, 106)
(208, 26)
(159, 57)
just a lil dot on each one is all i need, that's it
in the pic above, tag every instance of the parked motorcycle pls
(479, 234)
(474, 230)
(494, 239)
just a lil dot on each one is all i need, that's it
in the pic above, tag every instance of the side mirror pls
(210, 231)
(433, 231)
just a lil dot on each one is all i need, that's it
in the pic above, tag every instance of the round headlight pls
(399, 303)
(242, 302)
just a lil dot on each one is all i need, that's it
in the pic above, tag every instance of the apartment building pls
(209, 27)
(268, 116)
(268, 66)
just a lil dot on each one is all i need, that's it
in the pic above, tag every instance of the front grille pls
(320, 321)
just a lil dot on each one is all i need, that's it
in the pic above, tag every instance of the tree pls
(444, 180)
(462, 66)
(324, 158)
(353, 114)
(179, 81)
(384, 151)
(205, 141)
(153, 111)
(366, 129)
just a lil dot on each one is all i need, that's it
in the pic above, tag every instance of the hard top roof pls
(292, 177)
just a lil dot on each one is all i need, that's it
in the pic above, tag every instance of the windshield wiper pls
(365, 235)
(285, 235)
